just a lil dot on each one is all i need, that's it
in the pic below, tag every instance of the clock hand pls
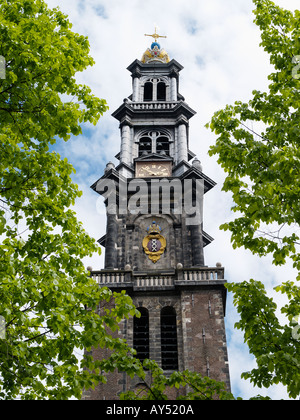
(148, 170)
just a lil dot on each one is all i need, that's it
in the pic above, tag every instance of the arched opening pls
(169, 345)
(141, 335)
(148, 92)
(163, 145)
(145, 146)
(161, 91)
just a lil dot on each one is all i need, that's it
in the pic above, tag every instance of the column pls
(110, 244)
(173, 89)
(182, 147)
(154, 90)
(136, 90)
(197, 246)
(125, 156)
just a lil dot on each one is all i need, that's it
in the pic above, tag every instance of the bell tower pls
(154, 242)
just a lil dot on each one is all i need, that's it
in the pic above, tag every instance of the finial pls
(109, 166)
(197, 164)
(155, 35)
(155, 53)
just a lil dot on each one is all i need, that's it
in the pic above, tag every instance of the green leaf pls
(257, 145)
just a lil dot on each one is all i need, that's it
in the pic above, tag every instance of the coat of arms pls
(154, 243)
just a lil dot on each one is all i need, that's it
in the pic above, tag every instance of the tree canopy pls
(258, 147)
(51, 309)
(49, 303)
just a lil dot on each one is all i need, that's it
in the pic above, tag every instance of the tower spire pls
(155, 53)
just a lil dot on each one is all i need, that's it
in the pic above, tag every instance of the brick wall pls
(200, 333)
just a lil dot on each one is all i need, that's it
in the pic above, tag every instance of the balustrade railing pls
(180, 277)
(152, 105)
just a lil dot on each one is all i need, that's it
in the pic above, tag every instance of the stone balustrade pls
(148, 280)
(140, 106)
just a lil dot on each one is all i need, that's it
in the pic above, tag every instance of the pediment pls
(154, 157)
(197, 174)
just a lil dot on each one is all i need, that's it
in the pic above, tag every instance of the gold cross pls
(156, 36)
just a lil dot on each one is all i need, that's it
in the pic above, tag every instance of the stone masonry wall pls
(200, 334)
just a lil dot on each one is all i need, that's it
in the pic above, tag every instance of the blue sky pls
(218, 45)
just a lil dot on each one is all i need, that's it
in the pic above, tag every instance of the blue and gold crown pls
(154, 228)
(155, 53)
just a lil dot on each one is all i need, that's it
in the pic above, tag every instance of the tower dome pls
(155, 44)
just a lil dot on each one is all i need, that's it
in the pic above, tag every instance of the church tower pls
(154, 242)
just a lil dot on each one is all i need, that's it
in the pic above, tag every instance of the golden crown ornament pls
(154, 243)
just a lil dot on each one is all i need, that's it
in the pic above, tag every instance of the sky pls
(218, 44)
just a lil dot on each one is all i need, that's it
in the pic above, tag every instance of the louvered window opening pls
(161, 144)
(155, 91)
(169, 346)
(141, 335)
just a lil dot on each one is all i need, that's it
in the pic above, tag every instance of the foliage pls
(262, 173)
(263, 168)
(192, 386)
(49, 303)
(274, 346)
(45, 290)
(188, 386)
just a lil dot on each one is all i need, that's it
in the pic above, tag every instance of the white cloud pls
(218, 44)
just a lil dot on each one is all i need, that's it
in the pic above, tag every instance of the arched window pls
(155, 90)
(163, 145)
(141, 335)
(161, 91)
(169, 346)
(145, 146)
(148, 92)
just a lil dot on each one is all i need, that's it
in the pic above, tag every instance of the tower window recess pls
(145, 146)
(161, 91)
(155, 90)
(169, 345)
(141, 335)
(163, 145)
(148, 92)
(154, 142)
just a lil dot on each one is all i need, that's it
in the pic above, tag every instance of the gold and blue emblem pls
(154, 243)
(155, 53)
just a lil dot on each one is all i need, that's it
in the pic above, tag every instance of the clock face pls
(153, 169)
